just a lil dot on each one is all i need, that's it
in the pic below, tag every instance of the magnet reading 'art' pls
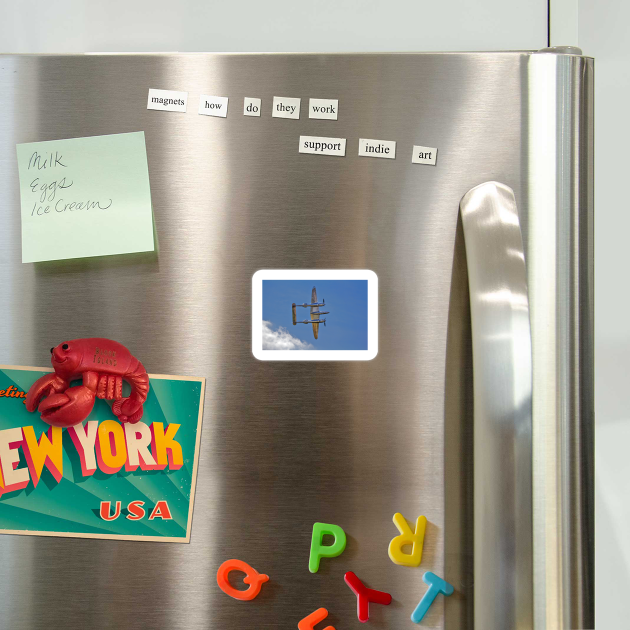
(252, 577)
(407, 537)
(319, 551)
(102, 364)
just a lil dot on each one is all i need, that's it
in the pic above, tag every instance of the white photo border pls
(314, 274)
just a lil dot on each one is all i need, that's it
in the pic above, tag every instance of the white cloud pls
(281, 339)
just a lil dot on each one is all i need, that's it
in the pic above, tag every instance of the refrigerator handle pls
(502, 374)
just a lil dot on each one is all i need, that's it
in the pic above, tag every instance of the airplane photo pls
(315, 313)
(347, 299)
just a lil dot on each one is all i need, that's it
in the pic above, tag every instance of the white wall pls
(604, 27)
(270, 25)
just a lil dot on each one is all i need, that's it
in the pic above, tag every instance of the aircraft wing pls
(313, 309)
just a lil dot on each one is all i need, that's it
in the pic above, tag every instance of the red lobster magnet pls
(103, 364)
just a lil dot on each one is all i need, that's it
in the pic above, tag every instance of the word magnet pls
(323, 108)
(167, 100)
(377, 148)
(251, 106)
(252, 577)
(322, 146)
(213, 105)
(285, 107)
(319, 550)
(424, 155)
(407, 537)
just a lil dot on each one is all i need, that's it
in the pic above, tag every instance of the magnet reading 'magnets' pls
(103, 364)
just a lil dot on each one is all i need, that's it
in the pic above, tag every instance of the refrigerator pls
(476, 411)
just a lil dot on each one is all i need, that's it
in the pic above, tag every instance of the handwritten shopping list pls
(85, 197)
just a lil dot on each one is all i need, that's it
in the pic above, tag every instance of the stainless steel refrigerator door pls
(286, 444)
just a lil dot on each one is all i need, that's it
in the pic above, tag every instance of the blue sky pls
(346, 324)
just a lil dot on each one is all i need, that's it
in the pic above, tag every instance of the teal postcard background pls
(72, 505)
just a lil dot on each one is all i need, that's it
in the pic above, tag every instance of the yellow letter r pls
(407, 537)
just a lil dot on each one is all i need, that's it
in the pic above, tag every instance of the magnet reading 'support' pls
(252, 577)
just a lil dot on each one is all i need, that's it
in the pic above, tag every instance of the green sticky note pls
(85, 197)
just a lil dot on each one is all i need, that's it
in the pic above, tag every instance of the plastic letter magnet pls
(308, 623)
(436, 586)
(252, 577)
(365, 596)
(319, 551)
(407, 537)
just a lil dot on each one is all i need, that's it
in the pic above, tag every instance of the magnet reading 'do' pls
(102, 364)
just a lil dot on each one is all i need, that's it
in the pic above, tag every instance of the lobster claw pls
(68, 408)
(128, 410)
(43, 386)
